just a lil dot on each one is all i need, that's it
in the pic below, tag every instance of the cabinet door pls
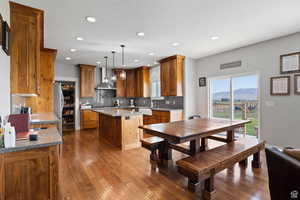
(120, 85)
(130, 83)
(143, 82)
(31, 174)
(25, 50)
(87, 81)
(164, 78)
(89, 119)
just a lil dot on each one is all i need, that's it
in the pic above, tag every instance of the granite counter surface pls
(43, 118)
(47, 137)
(115, 112)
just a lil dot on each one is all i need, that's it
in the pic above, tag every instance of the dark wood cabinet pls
(159, 116)
(143, 82)
(87, 81)
(89, 119)
(120, 84)
(26, 43)
(171, 75)
(131, 83)
(136, 84)
(29, 174)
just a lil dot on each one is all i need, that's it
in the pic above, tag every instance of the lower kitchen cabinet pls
(162, 116)
(29, 174)
(89, 119)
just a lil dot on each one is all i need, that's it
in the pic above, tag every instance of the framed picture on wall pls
(202, 82)
(6, 38)
(280, 85)
(1, 22)
(290, 63)
(297, 84)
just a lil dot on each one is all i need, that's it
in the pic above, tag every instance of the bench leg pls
(153, 159)
(256, 163)
(209, 192)
(244, 162)
(193, 183)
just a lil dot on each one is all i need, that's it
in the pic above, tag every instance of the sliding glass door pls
(235, 98)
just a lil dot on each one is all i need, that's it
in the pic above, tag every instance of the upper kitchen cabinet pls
(143, 82)
(87, 81)
(120, 84)
(26, 43)
(131, 83)
(171, 75)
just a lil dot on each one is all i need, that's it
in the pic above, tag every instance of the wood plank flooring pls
(94, 170)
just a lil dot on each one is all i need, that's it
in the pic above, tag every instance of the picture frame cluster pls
(281, 85)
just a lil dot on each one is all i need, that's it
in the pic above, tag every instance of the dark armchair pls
(284, 175)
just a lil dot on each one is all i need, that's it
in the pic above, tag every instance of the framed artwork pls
(280, 85)
(6, 38)
(297, 84)
(202, 82)
(1, 22)
(290, 63)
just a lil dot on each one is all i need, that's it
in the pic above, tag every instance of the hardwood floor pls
(92, 170)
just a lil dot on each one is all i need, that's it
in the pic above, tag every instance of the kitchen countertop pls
(47, 137)
(115, 112)
(44, 118)
(140, 107)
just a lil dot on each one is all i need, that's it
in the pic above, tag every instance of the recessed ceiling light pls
(148, 65)
(98, 62)
(79, 38)
(175, 44)
(151, 54)
(68, 58)
(91, 19)
(135, 60)
(140, 34)
(73, 50)
(215, 38)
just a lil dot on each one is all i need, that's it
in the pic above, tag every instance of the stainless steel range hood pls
(101, 85)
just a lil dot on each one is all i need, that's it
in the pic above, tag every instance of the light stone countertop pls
(46, 137)
(43, 118)
(115, 112)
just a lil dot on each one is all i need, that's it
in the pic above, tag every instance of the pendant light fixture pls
(105, 80)
(113, 77)
(123, 73)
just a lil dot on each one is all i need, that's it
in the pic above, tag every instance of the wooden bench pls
(205, 165)
(152, 144)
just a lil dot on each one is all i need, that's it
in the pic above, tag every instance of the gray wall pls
(190, 88)
(280, 116)
(4, 67)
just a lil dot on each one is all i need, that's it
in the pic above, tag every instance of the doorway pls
(236, 98)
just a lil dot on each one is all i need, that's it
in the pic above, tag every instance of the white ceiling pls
(189, 22)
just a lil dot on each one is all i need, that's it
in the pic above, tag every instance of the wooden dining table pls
(194, 131)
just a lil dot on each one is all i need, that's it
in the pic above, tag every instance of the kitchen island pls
(120, 127)
(30, 169)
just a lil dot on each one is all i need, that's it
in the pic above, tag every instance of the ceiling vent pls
(231, 65)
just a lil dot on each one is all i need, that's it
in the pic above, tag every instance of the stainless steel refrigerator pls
(58, 103)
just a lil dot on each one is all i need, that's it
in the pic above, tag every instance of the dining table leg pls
(230, 136)
(195, 146)
(165, 153)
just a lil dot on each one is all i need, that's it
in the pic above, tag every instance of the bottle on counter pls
(9, 136)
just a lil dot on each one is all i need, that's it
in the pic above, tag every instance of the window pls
(155, 89)
(235, 98)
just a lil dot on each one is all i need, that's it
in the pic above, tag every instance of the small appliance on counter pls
(26, 110)
(132, 103)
